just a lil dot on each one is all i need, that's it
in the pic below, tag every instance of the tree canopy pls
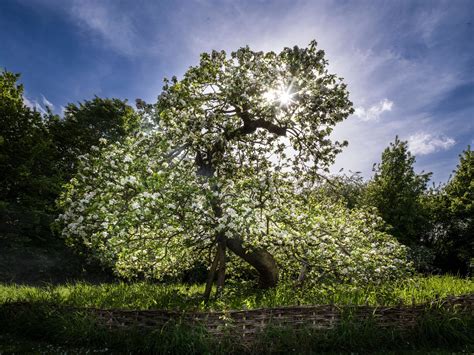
(39, 152)
(83, 124)
(452, 217)
(24, 142)
(396, 191)
(28, 182)
(240, 141)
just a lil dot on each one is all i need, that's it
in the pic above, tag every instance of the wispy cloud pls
(104, 19)
(47, 103)
(373, 112)
(428, 22)
(424, 143)
(34, 105)
(28, 102)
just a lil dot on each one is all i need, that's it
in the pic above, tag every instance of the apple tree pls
(227, 178)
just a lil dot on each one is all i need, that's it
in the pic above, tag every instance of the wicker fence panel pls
(246, 323)
(249, 322)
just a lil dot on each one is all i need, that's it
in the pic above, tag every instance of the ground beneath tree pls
(51, 262)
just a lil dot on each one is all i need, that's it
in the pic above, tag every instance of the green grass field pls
(141, 295)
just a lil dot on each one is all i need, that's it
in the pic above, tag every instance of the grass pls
(142, 295)
(44, 328)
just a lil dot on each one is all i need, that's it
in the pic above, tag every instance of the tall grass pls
(141, 295)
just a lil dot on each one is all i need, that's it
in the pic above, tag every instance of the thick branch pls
(250, 126)
(260, 259)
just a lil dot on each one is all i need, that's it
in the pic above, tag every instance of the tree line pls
(39, 153)
(436, 222)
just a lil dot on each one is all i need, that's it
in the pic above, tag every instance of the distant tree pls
(396, 191)
(452, 215)
(38, 153)
(348, 189)
(460, 189)
(28, 180)
(84, 124)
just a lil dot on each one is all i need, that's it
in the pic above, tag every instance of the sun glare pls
(283, 96)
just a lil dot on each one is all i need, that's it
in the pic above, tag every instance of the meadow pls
(179, 296)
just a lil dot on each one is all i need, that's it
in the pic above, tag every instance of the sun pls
(281, 95)
(285, 98)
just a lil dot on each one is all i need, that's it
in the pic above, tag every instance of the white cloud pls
(113, 26)
(424, 143)
(28, 102)
(46, 102)
(34, 105)
(40, 108)
(373, 112)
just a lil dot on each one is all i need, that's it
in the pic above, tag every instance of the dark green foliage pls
(437, 330)
(29, 180)
(460, 190)
(396, 191)
(75, 329)
(438, 224)
(84, 124)
(349, 189)
(52, 262)
(452, 217)
(39, 154)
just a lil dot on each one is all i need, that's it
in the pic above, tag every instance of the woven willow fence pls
(249, 322)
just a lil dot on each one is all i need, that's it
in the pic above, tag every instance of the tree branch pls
(251, 125)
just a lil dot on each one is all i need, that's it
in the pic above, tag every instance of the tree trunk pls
(302, 275)
(221, 249)
(260, 259)
(210, 277)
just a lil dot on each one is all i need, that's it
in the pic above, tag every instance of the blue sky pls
(409, 65)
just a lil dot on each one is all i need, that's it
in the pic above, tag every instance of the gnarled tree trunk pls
(260, 259)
